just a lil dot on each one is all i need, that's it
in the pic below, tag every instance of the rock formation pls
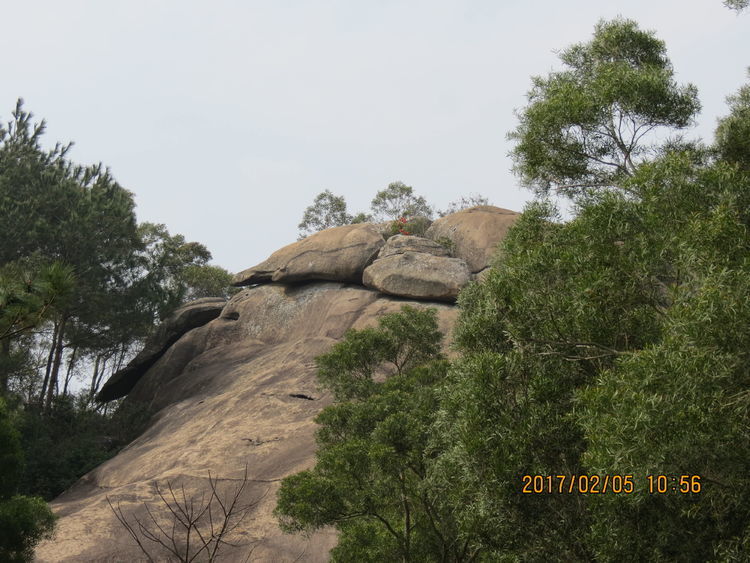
(335, 254)
(194, 314)
(239, 389)
(474, 232)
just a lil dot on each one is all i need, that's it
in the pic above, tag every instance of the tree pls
(370, 479)
(464, 202)
(737, 5)
(612, 344)
(733, 132)
(76, 216)
(28, 294)
(398, 200)
(24, 521)
(589, 126)
(327, 210)
(125, 276)
(70, 439)
(204, 280)
(191, 528)
(165, 268)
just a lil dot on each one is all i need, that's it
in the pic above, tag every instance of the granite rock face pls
(475, 232)
(186, 318)
(233, 385)
(239, 390)
(335, 254)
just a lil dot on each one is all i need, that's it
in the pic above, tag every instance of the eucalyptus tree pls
(589, 126)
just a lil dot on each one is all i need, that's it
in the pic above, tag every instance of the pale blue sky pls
(226, 118)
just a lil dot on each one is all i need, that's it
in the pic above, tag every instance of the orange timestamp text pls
(602, 484)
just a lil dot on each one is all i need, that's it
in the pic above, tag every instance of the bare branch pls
(189, 526)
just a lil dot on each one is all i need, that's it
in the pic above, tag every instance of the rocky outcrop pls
(186, 318)
(335, 254)
(416, 268)
(231, 393)
(474, 232)
(417, 275)
(232, 384)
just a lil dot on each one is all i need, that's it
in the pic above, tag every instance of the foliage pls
(733, 132)
(163, 265)
(615, 343)
(681, 404)
(70, 439)
(448, 244)
(408, 226)
(207, 281)
(192, 528)
(396, 203)
(464, 202)
(401, 342)
(372, 459)
(70, 231)
(398, 200)
(327, 210)
(28, 294)
(588, 126)
(737, 5)
(24, 520)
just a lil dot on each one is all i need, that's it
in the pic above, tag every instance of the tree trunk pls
(49, 364)
(56, 363)
(4, 358)
(94, 383)
(71, 363)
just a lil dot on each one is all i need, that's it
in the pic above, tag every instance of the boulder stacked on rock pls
(405, 266)
(474, 233)
(335, 254)
(417, 268)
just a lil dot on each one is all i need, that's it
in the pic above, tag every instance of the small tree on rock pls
(327, 210)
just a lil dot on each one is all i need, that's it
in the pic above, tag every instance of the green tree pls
(398, 200)
(733, 132)
(737, 5)
(370, 479)
(165, 268)
(589, 126)
(29, 294)
(680, 407)
(614, 343)
(204, 280)
(327, 210)
(24, 521)
(126, 276)
(76, 216)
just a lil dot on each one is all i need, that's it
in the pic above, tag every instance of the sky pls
(225, 119)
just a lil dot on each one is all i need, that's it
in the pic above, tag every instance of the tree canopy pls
(590, 125)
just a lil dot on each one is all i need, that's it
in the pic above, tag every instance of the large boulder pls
(418, 275)
(239, 391)
(186, 318)
(475, 233)
(335, 254)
